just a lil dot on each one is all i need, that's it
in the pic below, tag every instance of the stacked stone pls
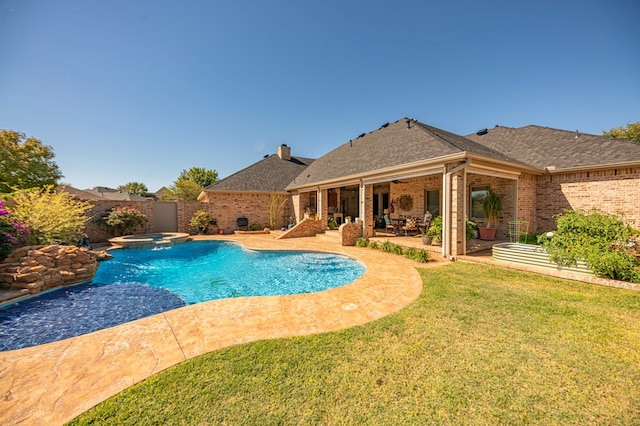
(39, 268)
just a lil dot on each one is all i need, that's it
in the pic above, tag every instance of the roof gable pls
(544, 147)
(271, 174)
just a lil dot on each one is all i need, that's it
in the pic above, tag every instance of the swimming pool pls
(140, 283)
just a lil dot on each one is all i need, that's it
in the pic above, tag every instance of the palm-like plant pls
(492, 208)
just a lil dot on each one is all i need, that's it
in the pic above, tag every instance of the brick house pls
(409, 167)
(251, 191)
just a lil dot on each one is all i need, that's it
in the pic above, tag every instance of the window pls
(432, 202)
(477, 200)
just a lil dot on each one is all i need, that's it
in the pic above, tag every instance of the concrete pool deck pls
(55, 382)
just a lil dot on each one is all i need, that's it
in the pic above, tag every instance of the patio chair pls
(424, 224)
(388, 226)
(409, 226)
(242, 224)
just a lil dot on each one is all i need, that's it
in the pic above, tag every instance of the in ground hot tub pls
(150, 240)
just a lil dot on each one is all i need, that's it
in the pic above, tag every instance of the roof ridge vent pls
(482, 132)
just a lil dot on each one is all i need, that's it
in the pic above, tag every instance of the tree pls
(630, 132)
(191, 182)
(135, 188)
(52, 216)
(25, 163)
(199, 175)
(185, 189)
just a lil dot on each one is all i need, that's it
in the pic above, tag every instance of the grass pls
(482, 345)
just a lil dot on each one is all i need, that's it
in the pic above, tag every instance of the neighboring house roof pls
(544, 147)
(114, 194)
(78, 193)
(271, 174)
(396, 144)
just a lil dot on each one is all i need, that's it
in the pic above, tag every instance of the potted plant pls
(331, 223)
(426, 239)
(492, 208)
(200, 221)
(435, 230)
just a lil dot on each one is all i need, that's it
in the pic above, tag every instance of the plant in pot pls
(331, 223)
(492, 208)
(200, 221)
(435, 231)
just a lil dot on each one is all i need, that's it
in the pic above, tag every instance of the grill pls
(242, 222)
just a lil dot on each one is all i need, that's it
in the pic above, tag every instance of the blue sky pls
(140, 90)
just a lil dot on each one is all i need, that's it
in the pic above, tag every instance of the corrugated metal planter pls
(527, 254)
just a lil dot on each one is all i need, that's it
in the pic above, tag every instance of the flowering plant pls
(13, 233)
(201, 220)
(123, 220)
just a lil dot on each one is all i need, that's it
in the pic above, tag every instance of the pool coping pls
(55, 382)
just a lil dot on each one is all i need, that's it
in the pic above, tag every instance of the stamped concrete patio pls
(53, 383)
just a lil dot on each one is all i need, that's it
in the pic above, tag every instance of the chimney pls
(284, 152)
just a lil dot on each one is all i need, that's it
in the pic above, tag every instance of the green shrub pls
(362, 242)
(435, 229)
(409, 252)
(123, 220)
(421, 256)
(53, 217)
(200, 220)
(387, 246)
(396, 249)
(374, 245)
(602, 240)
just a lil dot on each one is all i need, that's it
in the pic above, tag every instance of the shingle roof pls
(114, 194)
(268, 175)
(543, 147)
(391, 145)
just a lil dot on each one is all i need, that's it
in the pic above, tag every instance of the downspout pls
(363, 207)
(446, 222)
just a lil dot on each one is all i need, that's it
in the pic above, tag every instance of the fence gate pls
(166, 217)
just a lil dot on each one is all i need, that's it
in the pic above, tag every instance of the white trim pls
(391, 177)
(479, 170)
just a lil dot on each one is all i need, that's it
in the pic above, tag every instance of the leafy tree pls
(191, 182)
(199, 175)
(53, 216)
(135, 188)
(25, 163)
(630, 132)
(186, 189)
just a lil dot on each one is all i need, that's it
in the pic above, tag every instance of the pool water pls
(140, 283)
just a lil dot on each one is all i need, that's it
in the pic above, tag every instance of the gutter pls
(553, 169)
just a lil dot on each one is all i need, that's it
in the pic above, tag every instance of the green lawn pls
(482, 345)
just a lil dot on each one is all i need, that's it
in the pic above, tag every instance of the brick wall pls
(349, 233)
(305, 228)
(98, 233)
(226, 207)
(610, 191)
